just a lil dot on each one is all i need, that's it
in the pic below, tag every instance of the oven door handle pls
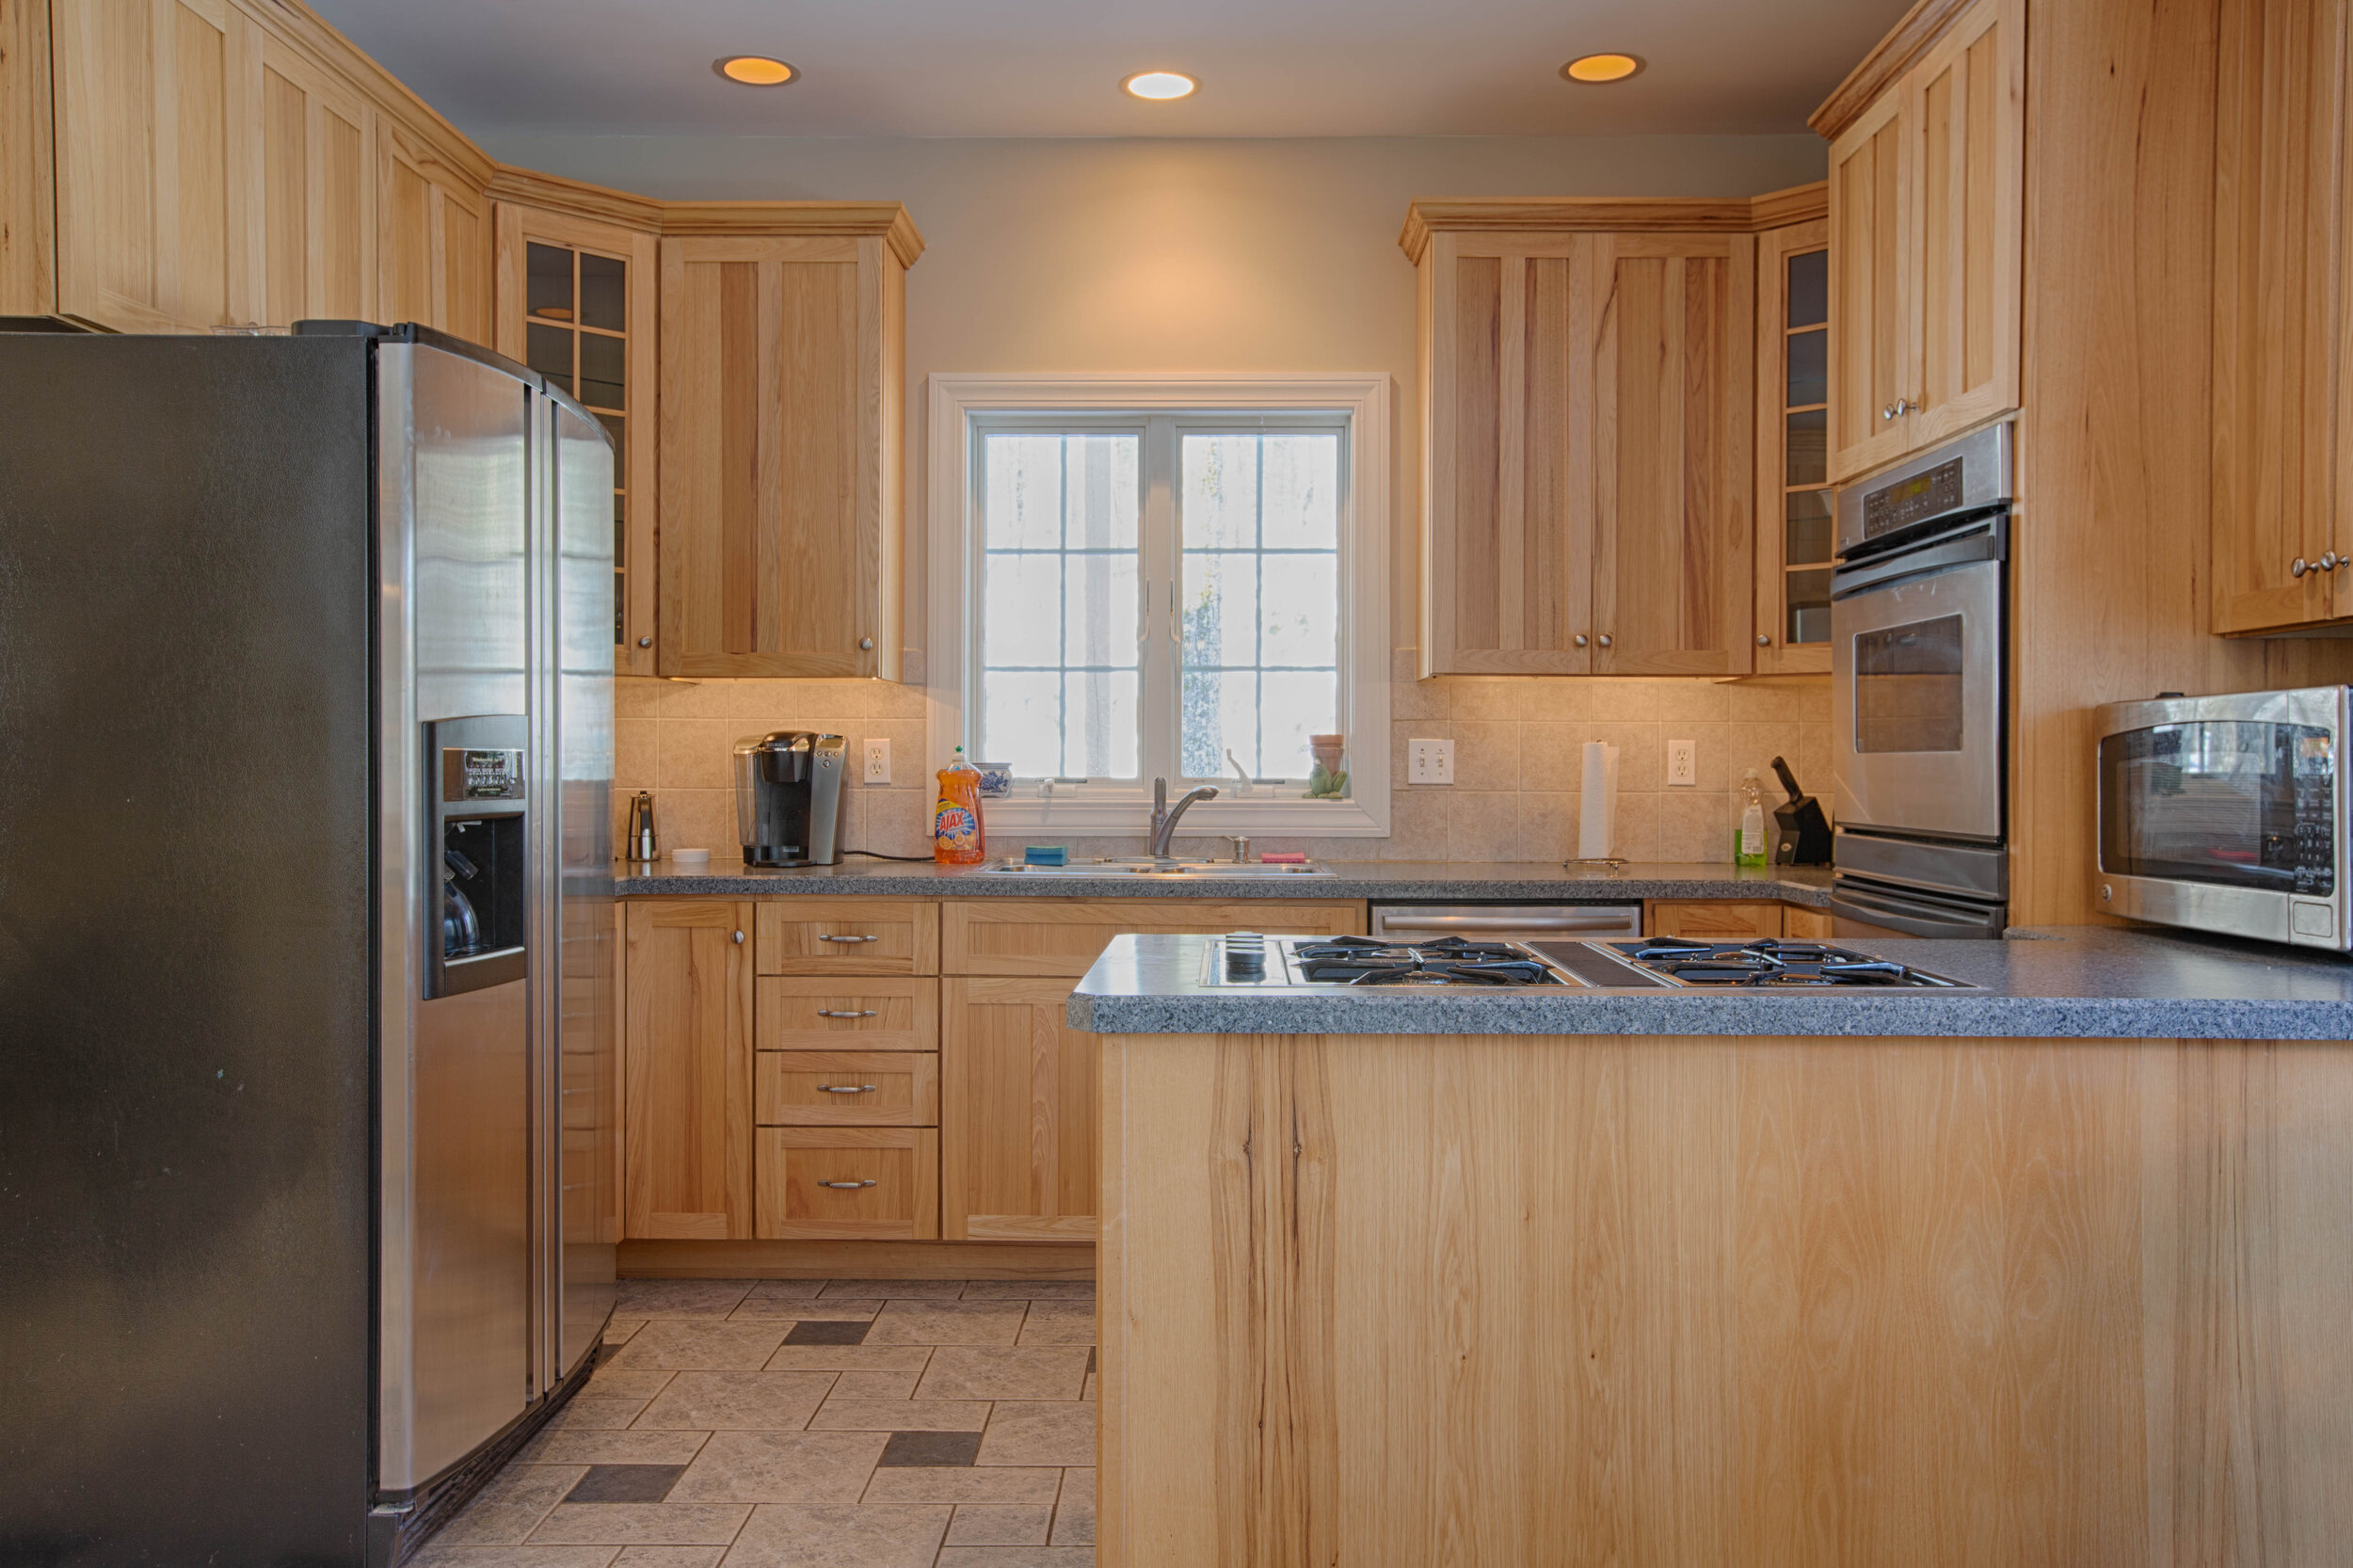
(1913, 919)
(1509, 922)
(1988, 541)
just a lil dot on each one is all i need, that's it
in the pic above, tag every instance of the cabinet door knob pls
(854, 1185)
(1580, 639)
(1764, 639)
(2299, 567)
(2331, 561)
(739, 938)
(1905, 405)
(866, 645)
(645, 642)
(1887, 411)
(1604, 639)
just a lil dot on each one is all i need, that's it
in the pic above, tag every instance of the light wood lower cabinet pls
(849, 936)
(687, 1096)
(847, 1012)
(1715, 922)
(1802, 924)
(1017, 1112)
(848, 1088)
(868, 1183)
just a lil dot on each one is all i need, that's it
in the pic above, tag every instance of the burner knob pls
(1246, 956)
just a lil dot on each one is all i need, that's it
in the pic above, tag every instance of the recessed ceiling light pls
(1159, 84)
(1601, 68)
(755, 71)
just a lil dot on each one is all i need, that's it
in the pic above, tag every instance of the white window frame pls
(961, 405)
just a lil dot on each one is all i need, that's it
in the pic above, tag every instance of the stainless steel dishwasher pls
(1506, 922)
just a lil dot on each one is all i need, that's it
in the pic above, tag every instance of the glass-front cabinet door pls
(1793, 496)
(575, 302)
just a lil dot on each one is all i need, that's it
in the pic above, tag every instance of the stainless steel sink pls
(1147, 867)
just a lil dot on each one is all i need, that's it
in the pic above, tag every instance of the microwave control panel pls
(2316, 774)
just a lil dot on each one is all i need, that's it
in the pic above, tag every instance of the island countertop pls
(1421, 881)
(2064, 983)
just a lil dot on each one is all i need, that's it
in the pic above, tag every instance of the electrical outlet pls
(877, 763)
(1683, 762)
(1429, 761)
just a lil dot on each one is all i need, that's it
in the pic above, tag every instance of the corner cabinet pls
(782, 441)
(574, 300)
(1793, 496)
(2282, 371)
(1927, 217)
(1588, 415)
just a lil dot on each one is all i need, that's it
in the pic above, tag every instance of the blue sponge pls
(1046, 854)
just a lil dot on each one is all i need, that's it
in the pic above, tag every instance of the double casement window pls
(1185, 593)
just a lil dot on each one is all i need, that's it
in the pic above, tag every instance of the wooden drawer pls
(847, 1015)
(1032, 936)
(847, 1088)
(1806, 925)
(1719, 922)
(895, 1170)
(847, 936)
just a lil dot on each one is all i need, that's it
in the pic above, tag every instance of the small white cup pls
(691, 856)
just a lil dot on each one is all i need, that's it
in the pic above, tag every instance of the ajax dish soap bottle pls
(956, 839)
(1747, 846)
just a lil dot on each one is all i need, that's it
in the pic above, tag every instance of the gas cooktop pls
(1245, 958)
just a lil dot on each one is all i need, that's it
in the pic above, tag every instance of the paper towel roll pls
(1597, 810)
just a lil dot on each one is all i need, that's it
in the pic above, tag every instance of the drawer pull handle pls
(847, 1088)
(830, 938)
(848, 1184)
(845, 1012)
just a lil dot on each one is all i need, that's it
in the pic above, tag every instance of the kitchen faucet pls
(1164, 817)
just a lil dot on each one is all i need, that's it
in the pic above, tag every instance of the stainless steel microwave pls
(2228, 814)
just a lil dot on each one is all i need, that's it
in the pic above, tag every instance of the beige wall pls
(1239, 255)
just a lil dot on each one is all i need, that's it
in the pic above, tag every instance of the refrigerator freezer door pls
(457, 1278)
(586, 1117)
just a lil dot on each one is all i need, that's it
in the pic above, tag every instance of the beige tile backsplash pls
(1518, 761)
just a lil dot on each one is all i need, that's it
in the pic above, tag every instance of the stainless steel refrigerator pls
(306, 1046)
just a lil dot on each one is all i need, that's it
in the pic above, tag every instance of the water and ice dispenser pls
(477, 834)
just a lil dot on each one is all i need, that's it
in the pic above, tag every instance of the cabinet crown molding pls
(1736, 214)
(552, 193)
(1894, 54)
(886, 218)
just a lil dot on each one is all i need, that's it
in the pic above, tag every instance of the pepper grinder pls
(641, 846)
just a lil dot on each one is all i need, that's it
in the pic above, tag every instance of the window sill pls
(1104, 812)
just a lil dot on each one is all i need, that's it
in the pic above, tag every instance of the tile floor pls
(812, 1424)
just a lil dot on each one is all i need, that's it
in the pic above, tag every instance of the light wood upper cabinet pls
(318, 206)
(1508, 343)
(1793, 494)
(1927, 215)
(157, 163)
(2282, 479)
(782, 407)
(433, 240)
(687, 1103)
(1673, 584)
(574, 300)
(1586, 412)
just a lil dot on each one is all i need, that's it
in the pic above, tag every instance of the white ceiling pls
(1052, 68)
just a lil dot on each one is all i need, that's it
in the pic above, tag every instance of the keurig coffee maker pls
(788, 797)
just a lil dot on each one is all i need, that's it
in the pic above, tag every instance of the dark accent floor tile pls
(606, 1353)
(1090, 1360)
(828, 1331)
(625, 1483)
(932, 1448)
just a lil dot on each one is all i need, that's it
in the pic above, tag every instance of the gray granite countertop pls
(1542, 881)
(2080, 981)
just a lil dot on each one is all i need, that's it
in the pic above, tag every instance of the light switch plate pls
(1683, 762)
(877, 763)
(1429, 761)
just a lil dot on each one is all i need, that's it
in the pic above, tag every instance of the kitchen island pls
(2053, 1267)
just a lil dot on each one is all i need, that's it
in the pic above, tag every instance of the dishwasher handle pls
(1512, 922)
